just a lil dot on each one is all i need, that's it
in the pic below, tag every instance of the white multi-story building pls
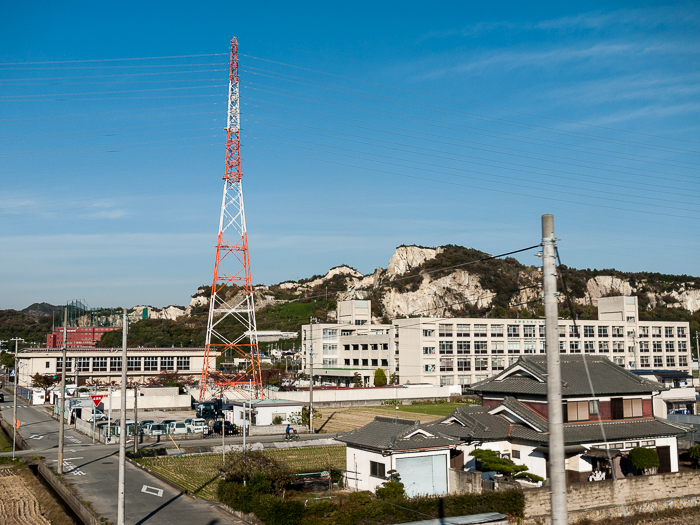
(105, 364)
(465, 350)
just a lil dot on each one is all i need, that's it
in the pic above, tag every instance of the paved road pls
(93, 470)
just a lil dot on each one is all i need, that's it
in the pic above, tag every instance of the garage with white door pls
(422, 475)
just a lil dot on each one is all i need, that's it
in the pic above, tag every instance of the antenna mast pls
(231, 305)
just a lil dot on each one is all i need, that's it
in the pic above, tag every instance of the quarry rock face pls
(406, 258)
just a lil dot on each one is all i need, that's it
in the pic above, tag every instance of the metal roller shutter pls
(423, 474)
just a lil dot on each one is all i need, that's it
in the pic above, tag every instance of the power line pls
(110, 59)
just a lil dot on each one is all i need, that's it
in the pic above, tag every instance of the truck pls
(212, 410)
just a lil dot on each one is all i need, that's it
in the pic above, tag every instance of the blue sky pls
(365, 126)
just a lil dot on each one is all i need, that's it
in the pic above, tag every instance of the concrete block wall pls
(617, 498)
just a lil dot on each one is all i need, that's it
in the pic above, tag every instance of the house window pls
(365, 362)
(350, 332)
(577, 411)
(683, 361)
(658, 361)
(497, 347)
(513, 330)
(464, 364)
(463, 347)
(497, 363)
(133, 364)
(330, 333)
(374, 347)
(428, 333)
(355, 362)
(463, 380)
(150, 364)
(428, 350)
(376, 470)
(657, 346)
(346, 347)
(365, 347)
(644, 346)
(681, 331)
(643, 331)
(385, 346)
(445, 347)
(82, 364)
(447, 380)
(589, 331)
(543, 331)
(529, 331)
(513, 347)
(375, 362)
(445, 330)
(355, 347)
(668, 331)
(59, 364)
(347, 362)
(589, 347)
(167, 363)
(593, 407)
(463, 330)
(573, 331)
(543, 347)
(48, 364)
(670, 346)
(115, 364)
(515, 454)
(481, 363)
(561, 329)
(575, 347)
(479, 330)
(682, 346)
(632, 407)
(618, 347)
(496, 330)
(99, 364)
(529, 347)
(630, 320)
(602, 331)
(618, 331)
(385, 362)
(644, 361)
(446, 364)
(656, 331)
(480, 347)
(671, 361)
(562, 347)
(330, 349)
(512, 360)
(603, 347)
(330, 362)
(429, 368)
(619, 361)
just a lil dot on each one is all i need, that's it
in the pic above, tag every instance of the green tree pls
(490, 461)
(379, 377)
(357, 380)
(7, 359)
(644, 459)
(45, 382)
(392, 489)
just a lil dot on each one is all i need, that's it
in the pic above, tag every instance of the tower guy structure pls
(231, 327)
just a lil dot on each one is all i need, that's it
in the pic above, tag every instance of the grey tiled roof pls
(622, 430)
(397, 434)
(523, 412)
(606, 377)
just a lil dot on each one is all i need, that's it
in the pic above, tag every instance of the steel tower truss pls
(231, 304)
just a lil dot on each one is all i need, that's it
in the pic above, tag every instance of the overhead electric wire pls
(414, 149)
(439, 123)
(474, 116)
(466, 185)
(444, 138)
(465, 176)
(422, 94)
(109, 76)
(7, 97)
(120, 111)
(111, 59)
(62, 68)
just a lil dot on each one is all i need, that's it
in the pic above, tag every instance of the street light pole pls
(14, 411)
(62, 404)
(122, 430)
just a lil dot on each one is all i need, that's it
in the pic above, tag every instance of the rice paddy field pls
(199, 474)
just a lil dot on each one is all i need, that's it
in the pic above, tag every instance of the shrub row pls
(361, 508)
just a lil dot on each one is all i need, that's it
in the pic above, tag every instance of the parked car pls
(99, 416)
(156, 429)
(167, 422)
(229, 428)
(196, 425)
(2, 398)
(177, 427)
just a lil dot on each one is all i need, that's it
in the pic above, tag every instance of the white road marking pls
(157, 492)
(67, 459)
(35, 437)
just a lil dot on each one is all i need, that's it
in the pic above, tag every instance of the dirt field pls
(18, 504)
(335, 420)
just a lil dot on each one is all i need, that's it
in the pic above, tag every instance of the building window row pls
(365, 346)
(114, 364)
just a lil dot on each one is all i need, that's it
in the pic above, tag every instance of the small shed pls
(264, 411)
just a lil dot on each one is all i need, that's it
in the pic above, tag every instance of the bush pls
(391, 491)
(277, 511)
(277, 420)
(237, 470)
(644, 459)
(379, 377)
(491, 461)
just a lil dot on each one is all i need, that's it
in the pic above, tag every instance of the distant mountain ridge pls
(42, 309)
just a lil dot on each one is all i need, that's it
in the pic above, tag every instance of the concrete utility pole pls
(14, 411)
(311, 375)
(62, 405)
(136, 415)
(122, 430)
(557, 472)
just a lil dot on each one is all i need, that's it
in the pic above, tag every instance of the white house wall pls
(534, 461)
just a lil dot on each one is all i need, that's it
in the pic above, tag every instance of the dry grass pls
(199, 474)
(335, 420)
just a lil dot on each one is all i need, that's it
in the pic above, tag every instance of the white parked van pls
(178, 427)
(196, 425)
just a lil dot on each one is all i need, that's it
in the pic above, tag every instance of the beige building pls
(461, 351)
(105, 364)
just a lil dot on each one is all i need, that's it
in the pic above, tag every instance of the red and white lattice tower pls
(231, 303)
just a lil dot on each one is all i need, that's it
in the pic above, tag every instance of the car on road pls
(196, 425)
(2, 398)
(229, 428)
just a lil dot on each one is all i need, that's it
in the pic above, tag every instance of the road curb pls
(85, 513)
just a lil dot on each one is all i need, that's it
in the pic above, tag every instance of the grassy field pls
(334, 420)
(200, 474)
(5, 444)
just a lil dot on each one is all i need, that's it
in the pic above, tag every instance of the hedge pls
(362, 508)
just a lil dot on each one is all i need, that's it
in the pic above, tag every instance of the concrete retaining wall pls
(20, 443)
(86, 515)
(349, 397)
(612, 499)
